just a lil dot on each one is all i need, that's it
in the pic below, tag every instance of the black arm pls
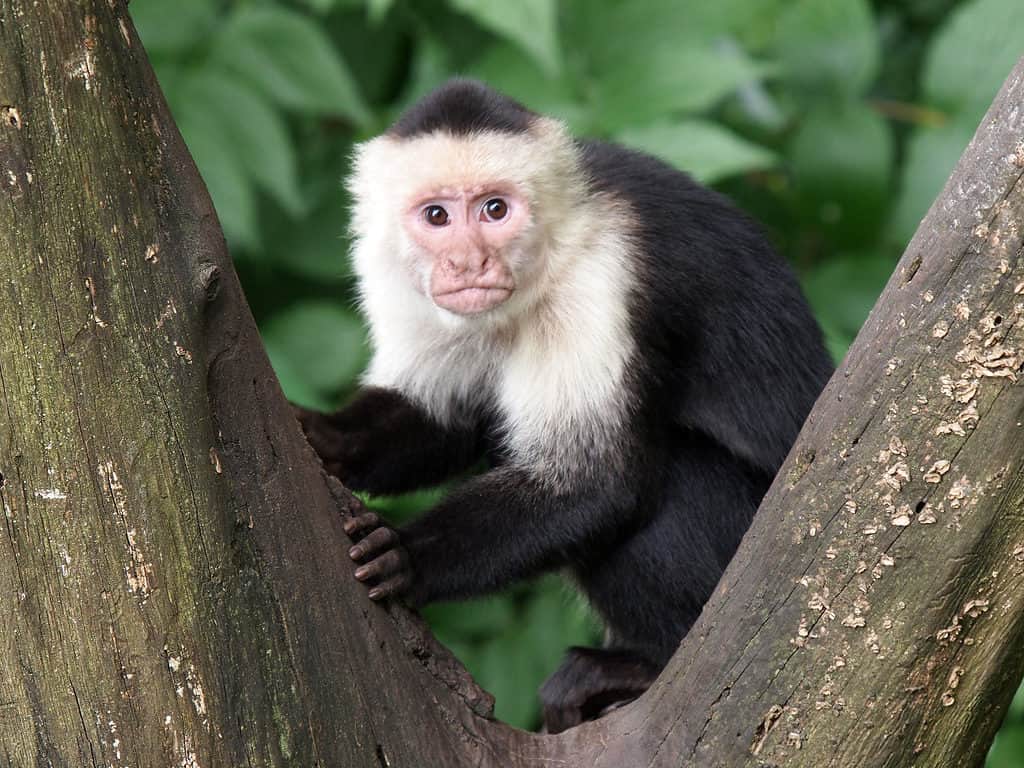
(383, 443)
(495, 529)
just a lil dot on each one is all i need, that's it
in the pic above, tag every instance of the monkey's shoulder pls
(674, 212)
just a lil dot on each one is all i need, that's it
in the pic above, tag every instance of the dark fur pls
(729, 362)
(462, 107)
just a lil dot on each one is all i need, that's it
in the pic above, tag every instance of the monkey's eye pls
(435, 215)
(495, 209)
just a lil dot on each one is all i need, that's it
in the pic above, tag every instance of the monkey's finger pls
(390, 563)
(391, 587)
(374, 543)
(359, 525)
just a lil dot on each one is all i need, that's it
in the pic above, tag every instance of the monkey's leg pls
(383, 443)
(589, 681)
(650, 588)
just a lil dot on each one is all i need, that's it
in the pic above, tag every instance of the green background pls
(834, 122)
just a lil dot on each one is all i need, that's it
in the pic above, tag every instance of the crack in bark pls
(81, 719)
(700, 736)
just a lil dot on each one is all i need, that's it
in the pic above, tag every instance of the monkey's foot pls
(592, 682)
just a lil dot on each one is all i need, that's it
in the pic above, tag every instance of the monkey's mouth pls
(472, 300)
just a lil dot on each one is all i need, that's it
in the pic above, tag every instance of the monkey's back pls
(729, 362)
(717, 308)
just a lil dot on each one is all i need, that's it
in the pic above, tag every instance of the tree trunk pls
(173, 579)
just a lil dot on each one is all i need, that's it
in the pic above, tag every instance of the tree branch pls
(873, 615)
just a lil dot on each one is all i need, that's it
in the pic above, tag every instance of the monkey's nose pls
(456, 266)
(467, 262)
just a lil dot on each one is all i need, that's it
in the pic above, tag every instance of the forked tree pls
(172, 580)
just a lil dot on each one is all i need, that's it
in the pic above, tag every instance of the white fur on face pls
(552, 359)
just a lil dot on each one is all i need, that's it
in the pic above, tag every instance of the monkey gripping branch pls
(173, 578)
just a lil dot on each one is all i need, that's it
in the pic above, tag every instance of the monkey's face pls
(465, 239)
(469, 223)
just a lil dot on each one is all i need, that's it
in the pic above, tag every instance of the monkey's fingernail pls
(361, 573)
(355, 553)
(376, 594)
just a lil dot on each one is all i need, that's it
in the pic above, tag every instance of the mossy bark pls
(173, 583)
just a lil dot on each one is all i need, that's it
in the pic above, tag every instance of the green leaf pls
(668, 81)
(830, 46)
(406, 506)
(654, 59)
(931, 155)
(532, 24)
(296, 387)
(323, 340)
(971, 56)
(314, 246)
(703, 149)
(843, 290)
(616, 34)
(754, 22)
(230, 187)
(482, 618)
(323, 6)
(1017, 705)
(841, 159)
(428, 68)
(256, 135)
(172, 27)
(506, 670)
(512, 72)
(962, 84)
(1008, 749)
(292, 60)
(378, 9)
(556, 618)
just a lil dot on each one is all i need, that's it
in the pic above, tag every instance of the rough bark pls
(172, 580)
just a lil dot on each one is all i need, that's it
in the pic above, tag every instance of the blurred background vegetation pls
(834, 122)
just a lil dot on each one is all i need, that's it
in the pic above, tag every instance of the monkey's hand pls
(336, 446)
(383, 443)
(384, 564)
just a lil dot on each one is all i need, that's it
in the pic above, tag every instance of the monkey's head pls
(459, 204)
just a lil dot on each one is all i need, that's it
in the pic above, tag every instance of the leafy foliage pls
(834, 123)
(957, 84)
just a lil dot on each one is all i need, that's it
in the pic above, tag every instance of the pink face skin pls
(463, 232)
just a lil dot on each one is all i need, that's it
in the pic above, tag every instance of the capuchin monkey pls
(621, 344)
